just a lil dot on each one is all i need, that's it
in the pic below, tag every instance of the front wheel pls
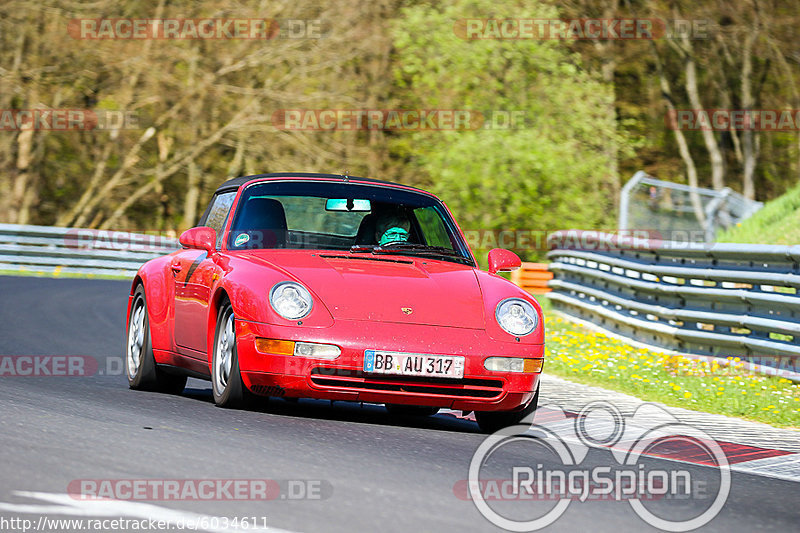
(140, 363)
(491, 421)
(226, 379)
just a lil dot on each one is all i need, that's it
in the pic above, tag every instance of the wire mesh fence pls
(670, 208)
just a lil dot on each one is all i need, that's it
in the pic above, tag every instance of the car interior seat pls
(263, 220)
(366, 230)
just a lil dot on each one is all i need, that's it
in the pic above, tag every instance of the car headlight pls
(290, 300)
(316, 350)
(516, 316)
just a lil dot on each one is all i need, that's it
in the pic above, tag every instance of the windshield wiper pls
(362, 248)
(414, 247)
(409, 248)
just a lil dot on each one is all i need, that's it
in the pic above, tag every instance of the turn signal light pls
(275, 346)
(533, 365)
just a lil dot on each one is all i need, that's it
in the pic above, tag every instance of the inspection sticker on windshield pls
(413, 364)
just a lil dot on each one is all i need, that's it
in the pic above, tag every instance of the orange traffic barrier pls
(532, 277)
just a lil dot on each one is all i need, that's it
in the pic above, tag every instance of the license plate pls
(413, 364)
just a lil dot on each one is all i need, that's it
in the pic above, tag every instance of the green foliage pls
(592, 111)
(552, 171)
(778, 222)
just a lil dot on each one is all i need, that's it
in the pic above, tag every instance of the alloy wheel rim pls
(136, 340)
(224, 352)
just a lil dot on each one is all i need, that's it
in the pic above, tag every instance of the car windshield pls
(352, 217)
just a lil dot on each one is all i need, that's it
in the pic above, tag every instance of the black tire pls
(141, 368)
(491, 421)
(410, 410)
(229, 391)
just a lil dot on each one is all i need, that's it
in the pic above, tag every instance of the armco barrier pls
(722, 300)
(533, 277)
(78, 251)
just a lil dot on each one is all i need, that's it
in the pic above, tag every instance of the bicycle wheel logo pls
(523, 478)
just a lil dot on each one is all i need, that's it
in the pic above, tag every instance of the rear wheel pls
(140, 363)
(491, 421)
(226, 379)
(411, 410)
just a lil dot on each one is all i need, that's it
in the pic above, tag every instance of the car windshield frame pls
(375, 192)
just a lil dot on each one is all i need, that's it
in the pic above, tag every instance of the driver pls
(392, 227)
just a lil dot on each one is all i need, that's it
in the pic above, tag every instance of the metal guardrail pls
(720, 300)
(49, 249)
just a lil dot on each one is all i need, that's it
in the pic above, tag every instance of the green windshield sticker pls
(241, 239)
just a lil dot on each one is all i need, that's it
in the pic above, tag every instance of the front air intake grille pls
(267, 390)
(358, 381)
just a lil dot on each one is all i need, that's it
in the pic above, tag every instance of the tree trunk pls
(749, 152)
(65, 219)
(175, 164)
(680, 139)
(714, 152)
(192, 195)
(608, 68)
(21, 182)
(103, 194)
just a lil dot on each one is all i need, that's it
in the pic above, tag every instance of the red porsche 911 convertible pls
(340, 288)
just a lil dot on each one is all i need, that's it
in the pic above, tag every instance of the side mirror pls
(503, 261)
(202, 238)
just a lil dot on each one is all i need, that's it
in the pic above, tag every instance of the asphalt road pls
(375, 472)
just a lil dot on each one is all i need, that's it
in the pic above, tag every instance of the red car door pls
(193, 273)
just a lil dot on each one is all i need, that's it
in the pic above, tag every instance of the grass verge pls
(58, 274)
(778, 222)
(585, 356)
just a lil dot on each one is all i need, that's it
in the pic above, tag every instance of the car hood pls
(383, 288)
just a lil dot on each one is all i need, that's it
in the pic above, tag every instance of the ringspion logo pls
(529, 466)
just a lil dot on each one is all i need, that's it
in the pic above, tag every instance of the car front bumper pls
(343, 378)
